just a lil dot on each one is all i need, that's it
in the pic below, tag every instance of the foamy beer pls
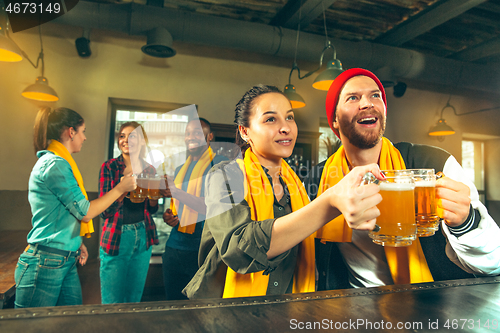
(154, 187)
(141, 191)
(397, 210)
(425, 202)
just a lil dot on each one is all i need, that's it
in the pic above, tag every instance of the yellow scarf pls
(190, 216)
(86, 228)
(260, 198)
(407, 264)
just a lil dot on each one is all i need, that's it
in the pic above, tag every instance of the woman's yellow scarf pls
(190, 216)
(407, 264)
(86, 228)
(260, 198)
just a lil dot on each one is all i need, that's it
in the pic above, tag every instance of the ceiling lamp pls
(442, 129)
(40, 91)
(333, 69)
(159, 43)
(324, 80)
(295, 99)
(9, 51)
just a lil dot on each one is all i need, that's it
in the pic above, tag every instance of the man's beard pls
(200, 149)
(362, 140)
(197, 151)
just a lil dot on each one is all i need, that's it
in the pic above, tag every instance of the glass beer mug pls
(425, 202)
(141, 191)
(154, 183)
(396, 224)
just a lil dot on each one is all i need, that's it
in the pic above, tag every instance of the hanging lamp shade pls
(41, 91)
(441, 129)
(9, 51)
(324, 80)
(295, 99)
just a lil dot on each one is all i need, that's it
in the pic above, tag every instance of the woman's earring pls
(71, 139)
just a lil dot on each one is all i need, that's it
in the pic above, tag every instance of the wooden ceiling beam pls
(484, 50)
(308, 10)
(426, 20)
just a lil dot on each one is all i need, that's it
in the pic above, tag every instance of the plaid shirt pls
(110, 175)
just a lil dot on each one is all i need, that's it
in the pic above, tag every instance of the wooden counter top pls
(468, 305)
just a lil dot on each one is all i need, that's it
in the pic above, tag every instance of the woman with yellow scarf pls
(46, 272)
(258, 238)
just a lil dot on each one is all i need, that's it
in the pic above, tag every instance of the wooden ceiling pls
(466, 30)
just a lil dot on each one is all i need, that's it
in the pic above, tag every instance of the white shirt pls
(476, 252)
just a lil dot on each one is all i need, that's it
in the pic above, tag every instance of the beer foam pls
(384, 186)
(425, 183)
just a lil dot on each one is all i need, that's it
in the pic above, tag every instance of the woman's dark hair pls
(51, 123)
(244, 110)
(135, 124)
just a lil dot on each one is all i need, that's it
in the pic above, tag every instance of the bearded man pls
(186, 214)
(466, 244)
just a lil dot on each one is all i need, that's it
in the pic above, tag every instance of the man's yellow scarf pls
(190, 216)
(407, 264)
(260, 198)
(86, 228)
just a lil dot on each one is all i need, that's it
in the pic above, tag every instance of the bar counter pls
(469, 305)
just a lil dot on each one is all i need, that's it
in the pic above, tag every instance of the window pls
(328, 141)
(165, 125)
(473, 164)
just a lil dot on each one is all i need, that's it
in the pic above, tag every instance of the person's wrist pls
(121, 188)
(332, 198)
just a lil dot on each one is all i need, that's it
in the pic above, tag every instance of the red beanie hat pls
(332, 97)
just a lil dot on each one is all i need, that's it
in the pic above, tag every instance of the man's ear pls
(210, 137)
(335, 123)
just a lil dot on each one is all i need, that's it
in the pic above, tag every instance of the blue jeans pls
(179, 267)
(46, 279)
(123, 276)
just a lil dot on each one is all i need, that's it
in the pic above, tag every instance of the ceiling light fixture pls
(40, 90)
(333, 69)
(9, 51)
(442, 129)
(324, 80)
(295, 99)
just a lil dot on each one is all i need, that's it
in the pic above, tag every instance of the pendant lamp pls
(40, 91)
(9, 51)
(442, 129)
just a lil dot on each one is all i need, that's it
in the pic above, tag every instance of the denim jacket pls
(57, 203)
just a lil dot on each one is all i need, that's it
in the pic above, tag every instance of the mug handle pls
(369, 178)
